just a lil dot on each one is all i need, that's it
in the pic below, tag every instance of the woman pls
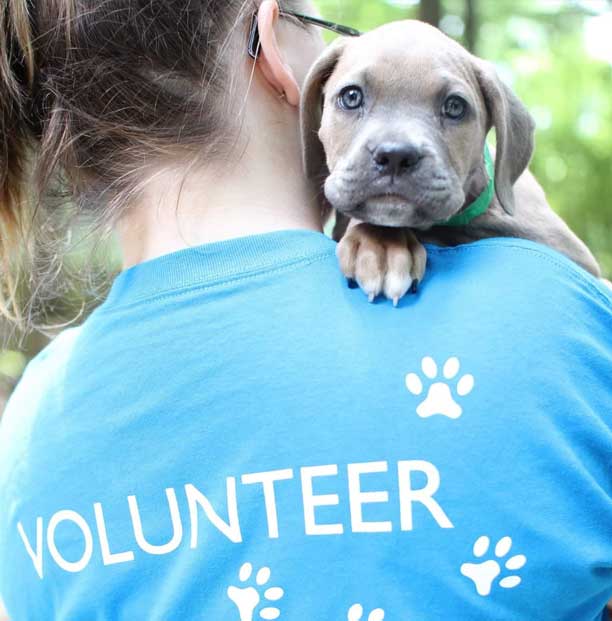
(234, 433)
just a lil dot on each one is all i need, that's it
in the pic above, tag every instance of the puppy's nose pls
(393, 158)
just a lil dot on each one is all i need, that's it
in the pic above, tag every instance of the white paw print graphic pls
(247, 598)
(484, 574)
(355, 613)
(439, 399)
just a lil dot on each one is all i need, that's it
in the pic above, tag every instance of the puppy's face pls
(403, 126)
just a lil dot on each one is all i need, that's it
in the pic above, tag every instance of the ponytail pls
(17, 75)
(94, 96)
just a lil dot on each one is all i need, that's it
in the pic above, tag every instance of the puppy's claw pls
(383, 260)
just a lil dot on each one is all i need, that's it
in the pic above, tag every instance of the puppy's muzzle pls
(394, 159)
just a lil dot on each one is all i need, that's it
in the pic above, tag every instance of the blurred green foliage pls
(12, 363)
(557, 56)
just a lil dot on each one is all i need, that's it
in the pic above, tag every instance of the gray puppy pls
(395, 122)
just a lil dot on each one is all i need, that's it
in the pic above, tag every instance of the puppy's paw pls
(382, 260)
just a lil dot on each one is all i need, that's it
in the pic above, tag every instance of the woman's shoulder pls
(50, 359)
(529, 262)
(520, 281)
(41, 380)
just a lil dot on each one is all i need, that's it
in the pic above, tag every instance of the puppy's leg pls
(382, 259)
(341, 226)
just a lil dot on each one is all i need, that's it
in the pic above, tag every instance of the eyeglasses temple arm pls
(339, 28)
(253, 46)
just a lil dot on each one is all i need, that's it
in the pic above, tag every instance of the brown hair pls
(92, 94)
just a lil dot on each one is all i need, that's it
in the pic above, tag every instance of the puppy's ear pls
(311, 109)
(514, 129)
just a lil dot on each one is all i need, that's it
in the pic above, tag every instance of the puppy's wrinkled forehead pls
(408, 59)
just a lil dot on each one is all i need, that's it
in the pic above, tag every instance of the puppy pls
(395, 122)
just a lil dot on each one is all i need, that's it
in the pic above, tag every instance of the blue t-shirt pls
(236, 435)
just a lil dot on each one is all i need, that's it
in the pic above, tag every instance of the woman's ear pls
(271, 62)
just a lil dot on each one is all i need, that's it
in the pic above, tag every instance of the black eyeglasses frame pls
(253, 46)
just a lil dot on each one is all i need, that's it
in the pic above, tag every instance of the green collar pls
(482, 202)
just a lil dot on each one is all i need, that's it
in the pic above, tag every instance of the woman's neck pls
(263, 191)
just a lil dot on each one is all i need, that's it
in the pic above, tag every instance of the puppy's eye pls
(455, 107)
(351, 98)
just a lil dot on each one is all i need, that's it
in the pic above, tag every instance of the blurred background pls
(556, 54)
